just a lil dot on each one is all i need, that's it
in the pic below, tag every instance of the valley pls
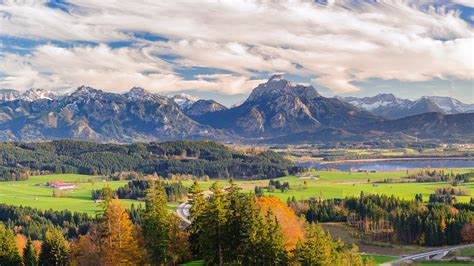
(235, 133)
(329, 185)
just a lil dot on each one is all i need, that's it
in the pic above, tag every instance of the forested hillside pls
(198, 158)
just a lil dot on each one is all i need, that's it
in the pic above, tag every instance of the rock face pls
(92, 114)
(391, 107)
(7, 95)
(184, 101)
(279, 107)
(203, 107)
(30, 95)
(430, 125)
(275, 112)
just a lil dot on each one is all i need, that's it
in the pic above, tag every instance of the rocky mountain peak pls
(276, 77)
(38, 94)
(137, 93)
(7, 95)
(184, 100)
(86, 91)
(277, 86)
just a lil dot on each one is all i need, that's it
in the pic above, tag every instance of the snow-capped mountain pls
(7, 95)
(30, 95)
(183, 100)
(392, 107)
(450, 105)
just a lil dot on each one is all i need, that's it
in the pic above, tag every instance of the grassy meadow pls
(331, 184)
(29, 193)
(337, 184)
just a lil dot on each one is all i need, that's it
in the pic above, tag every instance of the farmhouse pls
(60, 185)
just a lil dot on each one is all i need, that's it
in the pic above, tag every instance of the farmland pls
(30, 193)
(330, 184)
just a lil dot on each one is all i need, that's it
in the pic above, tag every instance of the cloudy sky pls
(223, 49)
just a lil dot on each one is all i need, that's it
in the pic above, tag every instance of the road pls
(440, 253)
(183, 212)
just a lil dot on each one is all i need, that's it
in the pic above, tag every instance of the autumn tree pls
(29, 254)
(86, 251)
(21, 242)
(156, 224)
(292, 226)
(467, 232)
(179, 249)
(54, 250)
(119, 244)
(9, 254)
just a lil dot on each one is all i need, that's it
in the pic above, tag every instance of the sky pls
(224, 49)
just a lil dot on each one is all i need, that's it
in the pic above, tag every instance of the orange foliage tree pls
(292, 226)
(468, 232)
(119, 244)
(21, 242)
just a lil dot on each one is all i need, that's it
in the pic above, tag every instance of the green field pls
(331, 184)
(467, 252)
(29, 193)
(442, 264)
(336, 184)
(379, 259)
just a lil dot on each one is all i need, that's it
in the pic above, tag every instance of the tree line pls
(199, 158)
(403, 221)
(137, 189)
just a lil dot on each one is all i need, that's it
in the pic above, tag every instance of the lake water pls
(393, 165)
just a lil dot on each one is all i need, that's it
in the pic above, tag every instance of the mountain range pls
(277, 111)
(391, 107)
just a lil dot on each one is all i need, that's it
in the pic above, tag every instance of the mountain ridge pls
(391, 107)
(275, 111)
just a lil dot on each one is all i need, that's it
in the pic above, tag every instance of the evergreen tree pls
(29, 254)
(215, 221)
(317, 249)
(54, 250)
(9, 254)
(156, 224)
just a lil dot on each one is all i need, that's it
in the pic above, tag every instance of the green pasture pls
(337, 184)
(30, 193)
(379, 259)
(330, 184)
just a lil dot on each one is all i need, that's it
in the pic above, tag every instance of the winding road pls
(183, 213)
(437, 254)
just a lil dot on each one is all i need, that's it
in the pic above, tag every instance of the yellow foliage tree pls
(119, 243)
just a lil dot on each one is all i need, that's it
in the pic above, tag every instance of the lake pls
(393, 165)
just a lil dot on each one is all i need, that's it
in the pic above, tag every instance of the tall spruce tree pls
(29, 255)
(9, 254)
(54, 250)
(216, 221)
(156, 224)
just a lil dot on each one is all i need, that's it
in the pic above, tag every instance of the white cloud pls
(332, 44)
(111, 69)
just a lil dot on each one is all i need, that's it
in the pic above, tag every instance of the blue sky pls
(223, 49)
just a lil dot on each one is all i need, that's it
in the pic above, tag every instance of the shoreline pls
(387, 159)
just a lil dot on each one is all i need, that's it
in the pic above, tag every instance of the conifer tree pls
(9, 254)
(215, 221)
(119, 244)
(156, 224)
(54, 250)
(29, 254)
